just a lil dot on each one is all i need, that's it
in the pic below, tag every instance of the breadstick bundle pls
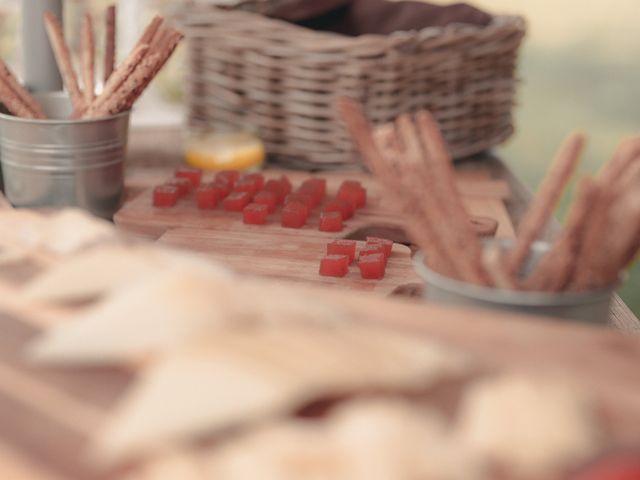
(599, 240)
(16, 99)
(123, 84)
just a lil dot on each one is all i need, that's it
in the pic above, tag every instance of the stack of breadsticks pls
(124, 84)
(600, 238)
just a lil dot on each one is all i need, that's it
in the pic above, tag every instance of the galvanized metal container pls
(60, 163)
(591, 307)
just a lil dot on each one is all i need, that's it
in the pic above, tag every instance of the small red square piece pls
(334, 266)
(330, 222)
(207, 197)
(286, 184)
(246, 185)
(256, 178)
(343, 247)
(356, 196)
(276, 187)
(255, 214)
(351, 184)
(372, 266)
(345, 208)
(270, 199)
(236, 201)
(228, 176)
(294, 215)
(386, 244)
(184, 186)
(302, 198)
(223, 188)
(192, 174)
(372, 250)
(165, 196)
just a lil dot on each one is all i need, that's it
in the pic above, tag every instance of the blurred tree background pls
(578, 67)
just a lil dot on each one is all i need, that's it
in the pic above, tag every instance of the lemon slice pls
(225, 151)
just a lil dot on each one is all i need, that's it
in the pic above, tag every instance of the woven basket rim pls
(517, 22)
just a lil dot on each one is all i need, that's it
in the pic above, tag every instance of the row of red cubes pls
(257, 199)
(372, 258)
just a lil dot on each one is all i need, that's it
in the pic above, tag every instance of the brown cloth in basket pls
(361, 17)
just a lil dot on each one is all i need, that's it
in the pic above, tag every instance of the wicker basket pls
(253, 72)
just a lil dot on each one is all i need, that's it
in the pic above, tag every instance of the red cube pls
(165, 196)
(343, 247)
(248, 185)
(228, 176)
(294, 215)
(316, 184)
(194, 175)
(372, 266)
(276, 187)
(270, 199)
(256, 178)
(372, 250)
(183, 185)
(286, 184)
(236, 201)
(334, 266)
(356, 196)
(302, 198)
(351, 184)
(345, 208)
(315, 194)
(207, 197)
(330, 222)
(387, 245)
(223, 188)
(255, 214)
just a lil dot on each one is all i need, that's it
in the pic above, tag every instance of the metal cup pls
(590, 307)
(63, 163)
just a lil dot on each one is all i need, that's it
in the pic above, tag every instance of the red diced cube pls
(255, 214)
(342, 206)
(192, 174)
(183, 185)
(386, 244)
(286, 184)
(351, 184)
(302, 198)
(165, 196)
(223, 188)
(236, 201)
(228, 176)
(276, 187)
(246, 185)
(294, 215)
(270, 199)
(334, 266)
(330, 221)
(372, 250)
(315, 184)
(355, 196)
(256, 178)
(315, 194)
(207, 197)
(343, 247)
(372, 266)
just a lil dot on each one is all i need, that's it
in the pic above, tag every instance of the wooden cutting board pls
(482, 197)
(290, 257)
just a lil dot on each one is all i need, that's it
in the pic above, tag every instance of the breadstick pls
(88, 59)
(492, 259)
(628, 152)
(151, 30)
(120, 99)
(63, 58)
(119, 76)
(441, 177)
(466, 259)
(12, 102)
(25, 97)
(555, 269)
(164, 51)
(543, 204)
(110, 42)
(360, 132)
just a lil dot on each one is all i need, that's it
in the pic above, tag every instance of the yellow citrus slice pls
(225, 151)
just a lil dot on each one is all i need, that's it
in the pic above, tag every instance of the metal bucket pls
(61, 163)
(590, 307)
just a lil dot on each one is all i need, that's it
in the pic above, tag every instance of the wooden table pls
(155, 149)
